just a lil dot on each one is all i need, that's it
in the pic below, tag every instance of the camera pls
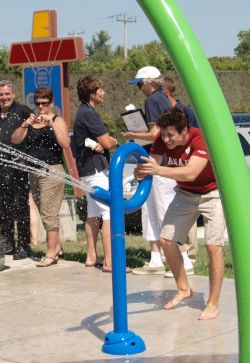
(39, 119)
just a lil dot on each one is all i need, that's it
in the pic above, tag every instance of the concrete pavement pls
(61, 314)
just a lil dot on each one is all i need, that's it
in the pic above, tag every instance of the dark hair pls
(44, 92)
(88, 85)
(168, 85)
(174, 116)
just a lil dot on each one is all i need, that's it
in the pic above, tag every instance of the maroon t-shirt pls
(179, 156)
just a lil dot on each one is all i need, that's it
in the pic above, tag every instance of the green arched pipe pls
(222, 141)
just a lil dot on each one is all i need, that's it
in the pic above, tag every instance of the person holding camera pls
(46, 135)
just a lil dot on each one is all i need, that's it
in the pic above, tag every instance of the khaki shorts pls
(185, 209)
(48, 194)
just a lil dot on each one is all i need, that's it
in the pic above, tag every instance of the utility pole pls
(125, 20)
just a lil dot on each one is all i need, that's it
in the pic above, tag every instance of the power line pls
(125, 20)
(74, 33)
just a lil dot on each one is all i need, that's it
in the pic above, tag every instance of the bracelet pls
(24, 127)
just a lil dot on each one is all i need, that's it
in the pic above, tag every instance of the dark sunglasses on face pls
(140, 84)
(43, 103)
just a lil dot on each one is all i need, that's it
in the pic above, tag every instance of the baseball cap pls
(145, 72)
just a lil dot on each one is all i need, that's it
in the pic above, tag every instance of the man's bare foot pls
(180, 296)
(210, 312)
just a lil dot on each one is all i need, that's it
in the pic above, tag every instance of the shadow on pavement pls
(156, 300)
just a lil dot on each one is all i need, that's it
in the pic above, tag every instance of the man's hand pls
(150, 167)
(128, 135)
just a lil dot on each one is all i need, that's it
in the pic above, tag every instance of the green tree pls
(99, 49)
(4, 65)
(229, 63)
(153, 54)
(101, 58)
(243, 49)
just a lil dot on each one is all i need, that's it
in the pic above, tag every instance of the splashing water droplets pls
(32, 167)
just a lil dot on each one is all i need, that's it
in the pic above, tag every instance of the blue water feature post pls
(121, 341)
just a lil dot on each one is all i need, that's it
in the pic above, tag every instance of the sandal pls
(60, 253)
(42, 263)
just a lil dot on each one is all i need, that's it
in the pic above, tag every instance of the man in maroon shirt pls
(186, 160)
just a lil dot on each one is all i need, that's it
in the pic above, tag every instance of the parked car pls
(242, 123)
(241, 118)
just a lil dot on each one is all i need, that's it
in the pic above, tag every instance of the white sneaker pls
(189, 272)
(148, 270)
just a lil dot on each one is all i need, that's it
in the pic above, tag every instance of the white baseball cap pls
(145, 72)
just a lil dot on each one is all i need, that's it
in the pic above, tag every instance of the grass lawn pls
(137, 251)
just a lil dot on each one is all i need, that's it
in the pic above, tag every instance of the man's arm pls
(149, 136)
(186, 173)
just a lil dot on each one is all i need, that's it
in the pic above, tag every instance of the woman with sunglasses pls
(46, 135)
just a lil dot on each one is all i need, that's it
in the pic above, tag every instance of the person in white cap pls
(149, 80)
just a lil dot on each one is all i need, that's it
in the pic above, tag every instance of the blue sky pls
(216, 23)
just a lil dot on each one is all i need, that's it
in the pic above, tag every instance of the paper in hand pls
(135, 122)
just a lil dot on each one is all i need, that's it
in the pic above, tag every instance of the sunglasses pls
(140, 84)
(43, 103)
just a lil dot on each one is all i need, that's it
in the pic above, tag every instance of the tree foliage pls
(102, 58)
(99, 49)
(243, 48)
(4, 66)
(152, 53)
(229, 63)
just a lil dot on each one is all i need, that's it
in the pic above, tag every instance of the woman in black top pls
(45, 135)
(93, 163)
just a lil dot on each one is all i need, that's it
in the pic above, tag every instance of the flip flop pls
(61, 253)
(52, 259)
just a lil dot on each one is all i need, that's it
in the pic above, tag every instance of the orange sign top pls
(44, 24)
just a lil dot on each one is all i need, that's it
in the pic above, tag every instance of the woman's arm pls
(19, 134)
(106, 141)
(61, 131)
